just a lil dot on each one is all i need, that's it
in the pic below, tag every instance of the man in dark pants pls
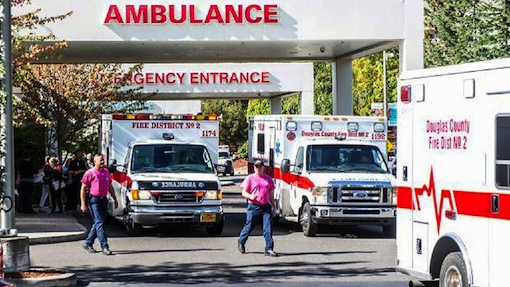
(27, 170)
(98, 181)
(77, 168)
(258, 188)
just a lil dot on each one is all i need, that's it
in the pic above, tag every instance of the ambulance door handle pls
(404, 173)
(495, 203)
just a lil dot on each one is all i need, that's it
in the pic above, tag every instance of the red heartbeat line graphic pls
(431, 189)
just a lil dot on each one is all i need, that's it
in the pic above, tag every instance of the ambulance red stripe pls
(468, 203)
(288, 177)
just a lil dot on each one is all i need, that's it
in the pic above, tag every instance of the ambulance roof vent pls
(168, 136)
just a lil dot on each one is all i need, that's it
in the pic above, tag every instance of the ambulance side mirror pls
(112, 165)
(285, 166)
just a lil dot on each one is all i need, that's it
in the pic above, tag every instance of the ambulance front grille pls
(183, 197)
(360, 195)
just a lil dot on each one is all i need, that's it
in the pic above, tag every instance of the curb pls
(58, 238)
(64, 280)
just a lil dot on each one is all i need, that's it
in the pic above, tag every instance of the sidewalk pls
(44, 228)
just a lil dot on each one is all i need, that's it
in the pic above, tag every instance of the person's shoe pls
(270, 253)
(241, 248)
(106, 251)
(89, 248)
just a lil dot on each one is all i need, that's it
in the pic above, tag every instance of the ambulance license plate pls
(207, 217)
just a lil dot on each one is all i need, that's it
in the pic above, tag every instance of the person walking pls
(258, 188)
(97, 180)
(46, 183)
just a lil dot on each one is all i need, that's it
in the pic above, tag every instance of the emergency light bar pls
(352, 127)
(316, 126)
(405, 94)
(291, 126)
(164, 117)
(379, 127)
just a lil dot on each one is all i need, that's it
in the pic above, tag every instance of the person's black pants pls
(56, 200)
(72, 193)
(26, 193)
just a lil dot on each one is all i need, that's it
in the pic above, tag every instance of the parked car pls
(225, 162)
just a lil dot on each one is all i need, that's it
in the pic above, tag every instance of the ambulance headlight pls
(319, 195)
(211, 194)
(393, 195)
(144, 195)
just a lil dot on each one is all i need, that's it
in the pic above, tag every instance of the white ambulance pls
(327, 169)
(165, 169)
(453, 174)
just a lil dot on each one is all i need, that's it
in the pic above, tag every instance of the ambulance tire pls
(309, 227)
(453, 271)
(216, 229)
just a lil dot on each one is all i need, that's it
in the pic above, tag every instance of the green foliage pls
(291, 105)
(69, 98)
(243, 150)
(368, 81)
(233, 124)
(323, 87)
(460, 31)
(258, 107)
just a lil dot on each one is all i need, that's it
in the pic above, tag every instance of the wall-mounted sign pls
(197, 78)
(181, 14)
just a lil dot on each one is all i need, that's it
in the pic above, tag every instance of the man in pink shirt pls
(98, 182)
(258, 189)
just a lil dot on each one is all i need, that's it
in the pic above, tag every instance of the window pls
(260, 143)
(171, 158)
(503, 151)
(298, 165)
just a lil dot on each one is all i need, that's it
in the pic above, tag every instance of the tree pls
(291, 105)
(368, 81)
(70, 98)
(323, 88)
(460, 31)
(258, 107)
(233, 124)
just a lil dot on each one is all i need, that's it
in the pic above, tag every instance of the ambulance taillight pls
(405, 94)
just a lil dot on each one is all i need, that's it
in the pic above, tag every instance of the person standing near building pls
(90, 160)
(98, 182)
(26, 173)
(57, 185)
(77, 168)
(258, 188)
(46, 183)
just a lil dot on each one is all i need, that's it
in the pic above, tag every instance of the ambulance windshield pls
(171, 158)
(345, 158)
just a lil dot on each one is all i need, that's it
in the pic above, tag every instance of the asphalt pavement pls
(44, 227)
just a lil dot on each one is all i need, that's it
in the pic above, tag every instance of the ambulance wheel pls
(453, 271)
(216, 229)
(133, 229)
(309, 227)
